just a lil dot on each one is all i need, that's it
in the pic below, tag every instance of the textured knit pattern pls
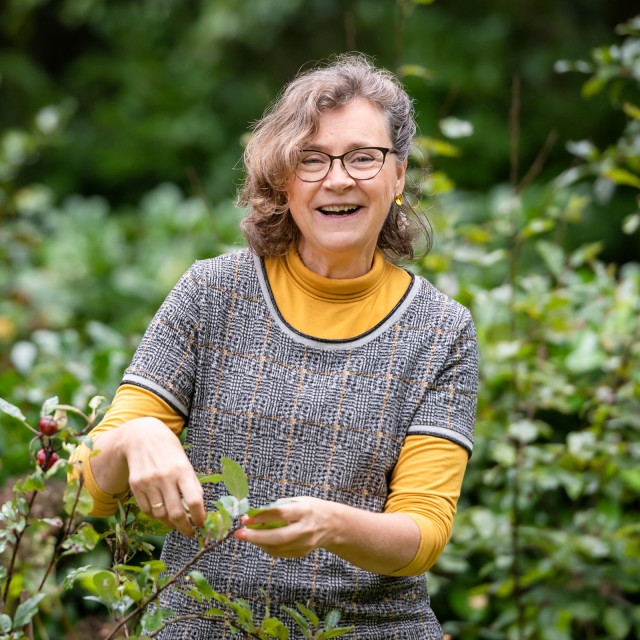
(305, 417)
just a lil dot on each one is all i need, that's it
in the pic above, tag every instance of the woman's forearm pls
(377, 542)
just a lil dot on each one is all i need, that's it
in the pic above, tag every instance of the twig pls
(68, 532)
(350, 28)
(514, 124)
(538, 162)
(14, 553)
(68, 407)
(205, 549)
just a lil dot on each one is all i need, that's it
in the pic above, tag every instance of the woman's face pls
(340, 218)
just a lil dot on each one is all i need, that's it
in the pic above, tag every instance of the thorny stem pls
(208, 546)
(68, 532)
(16, 545)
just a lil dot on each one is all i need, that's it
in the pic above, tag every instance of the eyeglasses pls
(362, 163)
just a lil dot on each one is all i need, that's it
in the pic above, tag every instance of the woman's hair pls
(272, 153)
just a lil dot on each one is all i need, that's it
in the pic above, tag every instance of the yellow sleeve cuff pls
(104, 504)
(130, 402)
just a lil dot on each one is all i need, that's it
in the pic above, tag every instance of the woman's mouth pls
(339, 211)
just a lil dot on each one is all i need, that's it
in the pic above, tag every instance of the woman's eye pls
(311, 160)
(361, 159)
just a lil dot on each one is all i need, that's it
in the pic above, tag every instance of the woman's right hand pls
(149, 456)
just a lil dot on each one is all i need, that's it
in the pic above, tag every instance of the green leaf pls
(631, 110)
(313, 618)
(552, 255)
(26, 611)
(300, 620)
(631, 223)
(622, 176)
(616, 623)
(152, 620)
(11, 410)
(95, 402)
(435, 147)
(587, 355)
(201, 584)
(235, 479)
(268, 525)
(76, 573)
(33, 482)
(106, 584)
(87, 536)
(85, 501)
(217, 523)
(415, 70)
(214, 612)
(275, 629)
(48, 405)
(453, 128)
(332, 619)
(156, 567)
(216, 477)
(5, 623)
(339, 631)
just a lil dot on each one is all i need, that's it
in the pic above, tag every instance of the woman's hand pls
(309, 527)
(378, 542)
(147, 454)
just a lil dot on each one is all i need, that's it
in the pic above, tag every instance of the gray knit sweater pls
(305, 416)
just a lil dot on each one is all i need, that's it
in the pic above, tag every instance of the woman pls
(331, 375)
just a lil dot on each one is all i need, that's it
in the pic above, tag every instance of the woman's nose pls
(337, 177)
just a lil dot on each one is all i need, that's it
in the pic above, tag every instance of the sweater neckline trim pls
(326, 343)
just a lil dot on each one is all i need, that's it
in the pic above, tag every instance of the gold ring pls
(157, 506)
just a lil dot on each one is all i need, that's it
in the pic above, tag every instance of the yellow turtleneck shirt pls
(426, 481)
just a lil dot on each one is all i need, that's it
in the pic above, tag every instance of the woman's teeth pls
(339, 210)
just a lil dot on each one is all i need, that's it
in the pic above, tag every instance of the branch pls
(514, 126)
(65, 535)
(14, 553)
(205, 549)
(539, 161)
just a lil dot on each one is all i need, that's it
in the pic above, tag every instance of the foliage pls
(127, 588)
(545, 544)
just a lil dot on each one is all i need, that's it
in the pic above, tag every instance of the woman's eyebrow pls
(353, 145)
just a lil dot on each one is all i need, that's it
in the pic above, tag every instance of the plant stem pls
(65, 535)
(209, 546)
(16, 545)
(514, 124)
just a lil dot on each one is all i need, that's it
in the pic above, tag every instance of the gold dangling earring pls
(398, 200)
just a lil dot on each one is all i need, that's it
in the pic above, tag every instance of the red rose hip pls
(41, 457)
(48, 425)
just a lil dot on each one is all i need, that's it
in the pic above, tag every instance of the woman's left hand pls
(309, 527)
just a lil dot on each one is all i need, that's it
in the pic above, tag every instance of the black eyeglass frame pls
(385, 151)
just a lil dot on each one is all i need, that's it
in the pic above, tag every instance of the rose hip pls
(41, 457)
(48, 425)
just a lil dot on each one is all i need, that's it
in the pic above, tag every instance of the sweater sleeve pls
(130, 402)
(425, 485)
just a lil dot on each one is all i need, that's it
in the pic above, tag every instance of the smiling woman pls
(335, 378)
